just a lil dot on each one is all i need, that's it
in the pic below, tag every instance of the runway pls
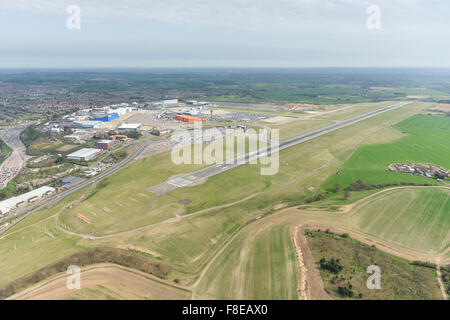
(201, 175)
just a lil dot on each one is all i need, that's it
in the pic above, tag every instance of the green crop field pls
(258, 264)
(399, 278)
(417, 218)
(426, 139)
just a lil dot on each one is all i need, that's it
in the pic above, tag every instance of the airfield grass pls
(416, 218)
(225, 188)
(400, 279)
(298, 127)
(124, 194)
(30, 249)
(354, 110)
(426, 140)
(258, 264)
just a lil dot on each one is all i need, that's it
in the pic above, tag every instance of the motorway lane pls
(202, 174)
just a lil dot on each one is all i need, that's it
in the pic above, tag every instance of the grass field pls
(258, 264)
(399, 278)
(32, 248)
(425, 140)
(298, 127)
(413, 217)
(351, 111)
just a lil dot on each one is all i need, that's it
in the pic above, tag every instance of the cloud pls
(329, 16)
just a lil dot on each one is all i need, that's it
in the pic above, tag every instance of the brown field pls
(441, 107)
(104, 282)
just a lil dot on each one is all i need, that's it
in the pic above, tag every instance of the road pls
(202, 174)
(15, 161)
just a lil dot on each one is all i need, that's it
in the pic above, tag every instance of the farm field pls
(425, 140)
(416, 218)
(400, 279)
(258, 264)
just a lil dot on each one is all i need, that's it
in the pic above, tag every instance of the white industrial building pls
(84, 154)
(170, 102)
(15, 202)
(129, 127)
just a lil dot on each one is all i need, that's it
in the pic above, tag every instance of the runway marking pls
(179, 182)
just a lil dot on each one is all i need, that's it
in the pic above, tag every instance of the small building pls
(84, 154)
(120, 137)
(129, 127)
(105, 144)
(161, 132)
(171, 102)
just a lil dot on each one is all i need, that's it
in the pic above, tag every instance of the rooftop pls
(84, 152)
(130, 126)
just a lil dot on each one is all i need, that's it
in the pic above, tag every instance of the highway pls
(198, 176)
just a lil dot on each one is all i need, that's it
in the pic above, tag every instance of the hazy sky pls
(183, 33)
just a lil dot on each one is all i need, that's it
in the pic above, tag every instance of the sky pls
(224, 33)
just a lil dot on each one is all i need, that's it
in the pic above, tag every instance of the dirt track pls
(310, 285)
(102, 281)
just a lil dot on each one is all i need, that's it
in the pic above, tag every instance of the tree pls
(347, 194)
(337, 187)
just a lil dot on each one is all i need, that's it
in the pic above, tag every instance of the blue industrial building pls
(107, 117)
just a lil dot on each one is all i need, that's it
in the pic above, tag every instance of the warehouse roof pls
(84, 152)
(130, 126)
(11, 203)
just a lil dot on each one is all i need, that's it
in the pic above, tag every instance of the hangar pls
(84, 154)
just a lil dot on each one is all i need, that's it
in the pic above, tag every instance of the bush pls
(345, 292)
(333, 265)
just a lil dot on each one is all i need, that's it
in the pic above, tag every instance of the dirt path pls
(301, 286)
(125, 282)
(441, 283)
(310, 285)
